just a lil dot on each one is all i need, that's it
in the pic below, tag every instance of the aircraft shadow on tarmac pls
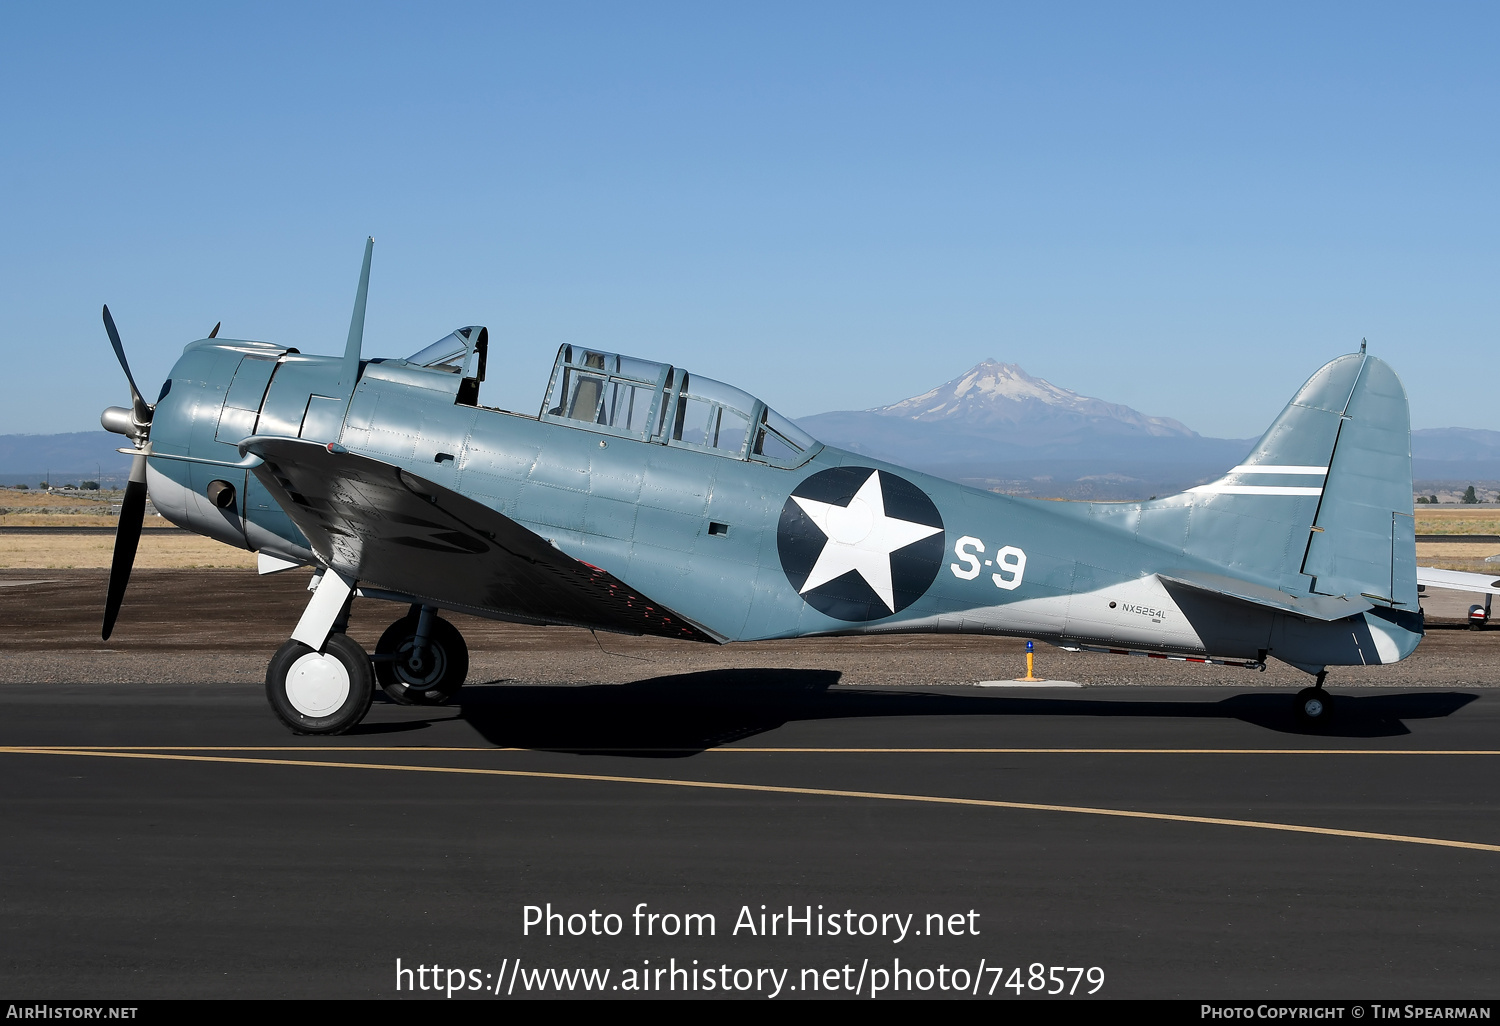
(682, 714)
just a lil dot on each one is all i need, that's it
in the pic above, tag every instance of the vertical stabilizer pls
(1322, 504)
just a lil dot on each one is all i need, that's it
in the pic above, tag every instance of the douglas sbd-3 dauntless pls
(645, 499)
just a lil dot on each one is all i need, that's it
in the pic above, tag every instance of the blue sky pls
(1186, 208)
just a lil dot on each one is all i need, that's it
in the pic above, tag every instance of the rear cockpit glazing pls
(659, 403)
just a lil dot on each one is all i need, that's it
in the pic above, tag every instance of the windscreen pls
(446, 354)
(779, 439)
(713, 415)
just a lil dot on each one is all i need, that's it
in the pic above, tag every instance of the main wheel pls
(1314, 705)
(431, 679)
(323, 692)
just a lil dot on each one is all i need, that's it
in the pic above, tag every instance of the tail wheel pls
(323, 692)
(430, 677)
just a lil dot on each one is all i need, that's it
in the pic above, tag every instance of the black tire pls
(318, 696)
(1314, 706)
(441, 675)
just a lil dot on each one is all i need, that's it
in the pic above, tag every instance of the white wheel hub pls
(317, 685)
(1314, 707)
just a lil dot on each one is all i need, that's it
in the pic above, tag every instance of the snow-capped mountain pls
(998, 427)
(995, 426)
(994, 393)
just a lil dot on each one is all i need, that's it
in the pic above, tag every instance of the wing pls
(1457, 580)
(393, 530)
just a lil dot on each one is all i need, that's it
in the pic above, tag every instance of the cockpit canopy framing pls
(656, 402)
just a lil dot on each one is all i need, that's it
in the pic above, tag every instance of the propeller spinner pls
(135, 424)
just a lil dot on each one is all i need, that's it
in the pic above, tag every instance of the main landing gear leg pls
(1314, 705)
(421, 659)
(320, 681)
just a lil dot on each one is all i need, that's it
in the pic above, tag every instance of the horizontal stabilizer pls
(269, 563)
(1312, 607)
(1457, 580)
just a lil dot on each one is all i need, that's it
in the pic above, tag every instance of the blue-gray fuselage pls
(708, 527)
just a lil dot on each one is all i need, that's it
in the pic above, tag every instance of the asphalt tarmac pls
(1173, 827)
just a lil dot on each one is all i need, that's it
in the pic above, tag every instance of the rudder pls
(1363, 539)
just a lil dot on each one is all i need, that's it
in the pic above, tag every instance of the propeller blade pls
(142, 409)
(127, 537)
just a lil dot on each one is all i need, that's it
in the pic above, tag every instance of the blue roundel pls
(860, 544)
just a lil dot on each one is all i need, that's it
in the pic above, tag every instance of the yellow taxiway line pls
(745, 749)
(715, 785)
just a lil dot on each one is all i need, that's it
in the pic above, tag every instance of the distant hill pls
(78, 455)
(1455, 444)
(1455, 457)
(995, 426)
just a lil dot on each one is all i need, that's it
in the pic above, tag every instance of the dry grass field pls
(158, 550)
(1468, 556)
(178, 549)
(24, 498)
(1457, 520)
(21, 507)
(16, 502)
(63, 520)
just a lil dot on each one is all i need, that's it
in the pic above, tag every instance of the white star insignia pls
(860, 537)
